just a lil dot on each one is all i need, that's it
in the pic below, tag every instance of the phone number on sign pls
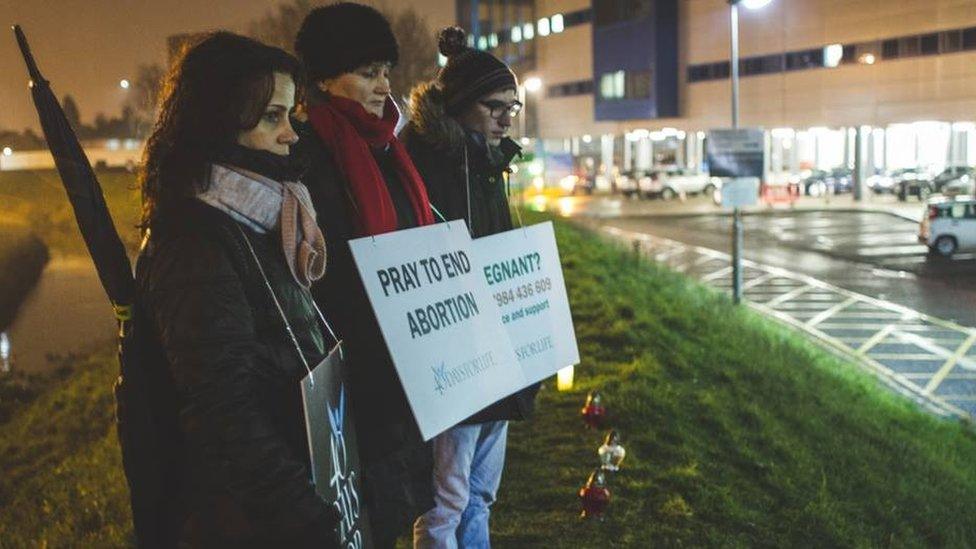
(523, 291)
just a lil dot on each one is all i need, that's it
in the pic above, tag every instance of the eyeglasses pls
(499, 109)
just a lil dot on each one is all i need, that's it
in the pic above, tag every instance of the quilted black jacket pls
(244, 475)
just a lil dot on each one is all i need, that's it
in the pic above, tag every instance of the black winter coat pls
(245, 478)
(397, 463)
(453, 162)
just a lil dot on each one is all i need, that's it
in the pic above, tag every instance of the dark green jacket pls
(244, 476)
(454, 163)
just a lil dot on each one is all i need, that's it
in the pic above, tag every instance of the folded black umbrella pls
(84, 192)
(146, 415)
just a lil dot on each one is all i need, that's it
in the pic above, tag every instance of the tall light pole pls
(734, 72)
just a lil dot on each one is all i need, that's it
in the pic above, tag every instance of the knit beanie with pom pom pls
(469, 73)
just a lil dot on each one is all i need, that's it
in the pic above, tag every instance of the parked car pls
(672, 183)
(887, 182)
(665, 183)
(578, 183)
(835, 181)
(964, 185)
(923, 187)
(949, 225)
(627, 182)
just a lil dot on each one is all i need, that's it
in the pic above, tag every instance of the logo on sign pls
(446, 378)
(343, 480)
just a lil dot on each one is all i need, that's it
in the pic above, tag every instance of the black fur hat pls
(337, 38)
(469, 73)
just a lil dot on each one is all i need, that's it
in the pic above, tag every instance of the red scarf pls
(349, 132)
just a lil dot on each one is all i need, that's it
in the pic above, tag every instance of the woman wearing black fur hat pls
(458, 139)
(363, 183)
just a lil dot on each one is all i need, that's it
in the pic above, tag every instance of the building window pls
(580, 17)
(833, 55)
(612, 85)
(889, 49)
(568, 89)
(608, 12)
(969, 38)
(867, 53)
(543, 26)
(908, 46)
(850, 54)
(951, 41)
(722, 69)
(807, 59)
(638, 85)
(625, 85)
(556, 24)
(699, 73)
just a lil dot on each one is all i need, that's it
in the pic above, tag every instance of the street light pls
(734, 66)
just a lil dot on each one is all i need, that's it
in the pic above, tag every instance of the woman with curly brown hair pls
(231, 248)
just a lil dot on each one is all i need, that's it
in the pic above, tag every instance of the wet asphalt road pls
(875, 254)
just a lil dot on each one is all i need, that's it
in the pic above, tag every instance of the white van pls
(949, 225)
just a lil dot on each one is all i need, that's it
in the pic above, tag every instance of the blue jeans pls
(468, 463)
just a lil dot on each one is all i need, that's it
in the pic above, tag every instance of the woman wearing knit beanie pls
(458, 139)
(363, 183)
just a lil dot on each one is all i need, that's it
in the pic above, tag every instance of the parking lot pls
(879, 239)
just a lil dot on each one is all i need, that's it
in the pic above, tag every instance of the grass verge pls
(738, 432)
(38, 200)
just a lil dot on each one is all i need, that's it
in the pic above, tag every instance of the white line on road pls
(875, 339)
(950, 364)
(786, 297)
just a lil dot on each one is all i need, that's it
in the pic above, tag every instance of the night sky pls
(85, 47)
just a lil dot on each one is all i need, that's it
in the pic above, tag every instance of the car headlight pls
(568, 183)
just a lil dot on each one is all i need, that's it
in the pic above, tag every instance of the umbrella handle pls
(28, 57)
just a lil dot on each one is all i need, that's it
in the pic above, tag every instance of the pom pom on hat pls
(469, 73)
(452, 41)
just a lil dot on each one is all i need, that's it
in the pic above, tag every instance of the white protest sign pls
(440, 324)
(524, 277)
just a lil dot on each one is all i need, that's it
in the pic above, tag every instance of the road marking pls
(905, 356)
(950, 364)
(756, 281)
(831, 311)
(786, 297)
(935, 349)
(717, 274)
(875, 339)
(850, 326)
